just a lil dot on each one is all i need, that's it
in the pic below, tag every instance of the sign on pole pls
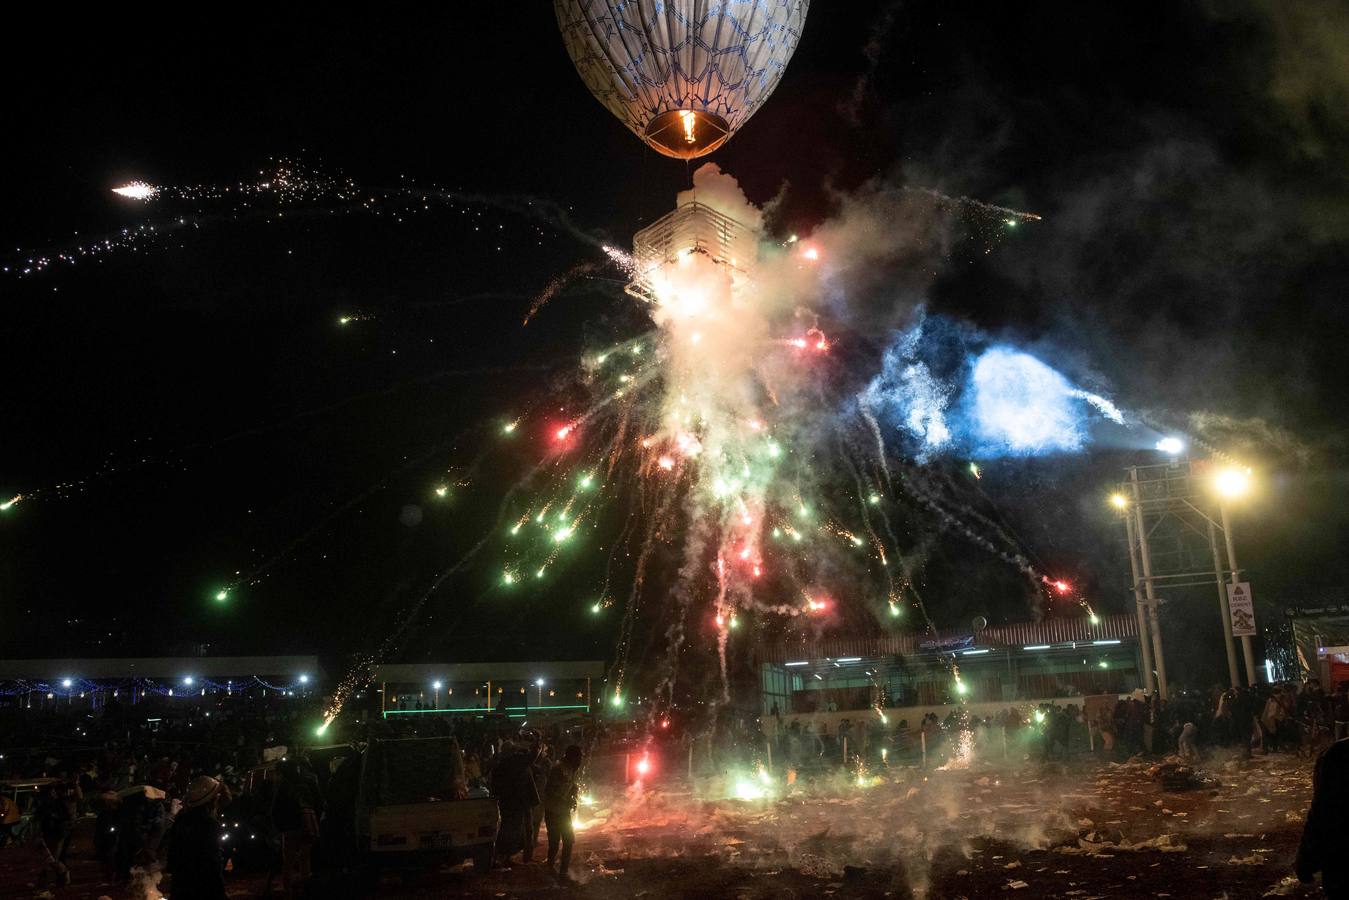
(1242, 608)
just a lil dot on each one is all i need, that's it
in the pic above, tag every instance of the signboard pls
(1242, 609)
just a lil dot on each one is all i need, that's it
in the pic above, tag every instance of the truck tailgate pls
(429, 826)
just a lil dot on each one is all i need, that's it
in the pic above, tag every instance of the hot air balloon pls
(683, 75)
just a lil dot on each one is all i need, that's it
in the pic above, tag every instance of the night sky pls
(1191, 166)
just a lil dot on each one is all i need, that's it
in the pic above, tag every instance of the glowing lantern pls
(683, 75)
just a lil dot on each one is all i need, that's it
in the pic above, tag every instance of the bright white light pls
(136, 190)
(436, 684)
(1232, 482)
(539, 682)
(747, 790)
(304, 679)
(187, 680)
(1171, 445)
(65, 682)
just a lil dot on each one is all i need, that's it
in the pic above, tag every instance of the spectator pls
(1322, 846)
(194, 847)
(559, 803)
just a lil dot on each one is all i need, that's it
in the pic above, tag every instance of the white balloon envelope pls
(683, 75)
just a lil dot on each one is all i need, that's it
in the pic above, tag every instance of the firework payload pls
(683, 75)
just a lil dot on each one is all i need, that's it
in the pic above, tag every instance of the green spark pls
(595, 608)
(539, 574)
(516, 529)
(586, 481)
(894, 610)
(561, 535)
(857, 541)
(509, 428)
(874, 499)
(442, 490)
(508, 578)
(222, 595)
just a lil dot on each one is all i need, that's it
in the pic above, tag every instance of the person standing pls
(194, 844)
(1322, 846)
(56, 821)
(559, 804)
(538, 770)
(296, 807)
(516, 794)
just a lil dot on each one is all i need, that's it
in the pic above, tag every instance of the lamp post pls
(1232, 674)
(1154, 627)
(435, 686)
(539, 683)
(1232, 483)
(1121, 502)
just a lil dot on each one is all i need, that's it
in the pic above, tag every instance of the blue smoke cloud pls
(947, 390)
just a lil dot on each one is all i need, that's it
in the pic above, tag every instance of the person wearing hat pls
(194, 844)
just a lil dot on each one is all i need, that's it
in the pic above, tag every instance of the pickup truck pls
(407, 812)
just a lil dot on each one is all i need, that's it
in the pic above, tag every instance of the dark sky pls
(1192, 168)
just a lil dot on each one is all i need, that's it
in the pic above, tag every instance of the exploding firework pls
(763, 449)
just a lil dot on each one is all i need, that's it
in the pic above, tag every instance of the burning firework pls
(137, 190)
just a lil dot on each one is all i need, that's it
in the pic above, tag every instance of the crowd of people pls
(1266, 718)
(226, 783)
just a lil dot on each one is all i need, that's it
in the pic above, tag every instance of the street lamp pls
(435, 686)
(538, 682)
(1232, 483)
(1119, 501)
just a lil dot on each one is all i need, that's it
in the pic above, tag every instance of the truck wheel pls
(482, 858)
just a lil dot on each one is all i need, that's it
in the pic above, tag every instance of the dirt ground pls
(1084, 831)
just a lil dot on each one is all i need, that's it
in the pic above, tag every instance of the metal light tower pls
(1171, 526)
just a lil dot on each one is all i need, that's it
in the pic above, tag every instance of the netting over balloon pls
(683, 76)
